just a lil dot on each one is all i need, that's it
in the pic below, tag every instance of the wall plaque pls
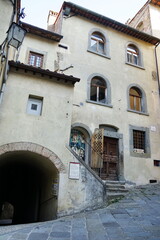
(74, 170)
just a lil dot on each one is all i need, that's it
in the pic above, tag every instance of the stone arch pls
(82, 127)
(36, 148)
(144, 98)
(106, 42)
(108, 89)
(140, 55)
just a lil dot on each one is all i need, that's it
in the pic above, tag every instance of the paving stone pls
(99, 236)
(106, 218)
(111, 224)
(5, 237)
(38, 236)
(60, 234)
(20, 236)
(136, 217)
(118, 211)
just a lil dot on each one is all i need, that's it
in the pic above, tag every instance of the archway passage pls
(27, 181)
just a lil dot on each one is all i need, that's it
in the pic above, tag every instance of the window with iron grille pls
(139, 140)
(35, 59)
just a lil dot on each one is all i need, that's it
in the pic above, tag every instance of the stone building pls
(80, 107)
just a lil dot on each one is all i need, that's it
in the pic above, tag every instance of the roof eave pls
(93, 16)
(41, 32)
(44, 73)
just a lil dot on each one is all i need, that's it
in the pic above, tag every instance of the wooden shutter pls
(97, 148)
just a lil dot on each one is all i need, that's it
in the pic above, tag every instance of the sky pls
(120, 10)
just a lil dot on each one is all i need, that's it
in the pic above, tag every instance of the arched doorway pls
(80, 141)
(28, 181)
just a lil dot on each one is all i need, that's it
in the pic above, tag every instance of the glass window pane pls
(32, 59)
(93, 93)
(93, 45)
(98, 82)
(102, 95)
(132, 54)
(101, 47)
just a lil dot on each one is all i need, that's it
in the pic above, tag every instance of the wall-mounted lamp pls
(16, 35)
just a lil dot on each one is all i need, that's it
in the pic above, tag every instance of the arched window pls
(133, 56)
(137, 101)
(135, 96)
(98, 90)
(97, 42)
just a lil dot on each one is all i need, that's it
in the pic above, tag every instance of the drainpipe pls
(2, 47)
(157, 69)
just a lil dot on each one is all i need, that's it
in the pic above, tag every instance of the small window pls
(98, 90)
(34, 106)
(35, 59)
(133, 54)
(97, 42)
(157, 163)
(140, 26)
(135, 99)
(138, 141)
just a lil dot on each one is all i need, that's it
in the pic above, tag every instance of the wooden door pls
(110, 159)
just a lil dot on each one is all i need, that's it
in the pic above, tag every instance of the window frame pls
(36, 61)
(107, 91)
(143, 110)
(139, 57)
(135, 99)
(147, 150)
(103, 36)
(36, 51)
(98, 87)
(37, 101)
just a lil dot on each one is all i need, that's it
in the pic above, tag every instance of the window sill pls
(99, 54)
(99, 103)
(134, 65)
(141, 113)
(140, 155)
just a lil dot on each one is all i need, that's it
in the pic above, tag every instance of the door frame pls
(118, 136)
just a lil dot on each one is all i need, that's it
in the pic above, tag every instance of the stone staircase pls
(115, 190)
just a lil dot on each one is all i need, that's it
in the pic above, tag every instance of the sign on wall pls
(74, 170)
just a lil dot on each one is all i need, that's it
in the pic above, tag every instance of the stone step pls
(112, 197)
(114, 182)
(118, 190)
(119, 186)
(115, 191)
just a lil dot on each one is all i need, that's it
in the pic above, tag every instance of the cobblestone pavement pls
(135, 217)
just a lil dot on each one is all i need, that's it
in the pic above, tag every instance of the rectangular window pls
(157, 163)
(35, 59)
(34, 105)
(139, 140)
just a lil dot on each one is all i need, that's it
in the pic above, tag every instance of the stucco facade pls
(113, 67)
